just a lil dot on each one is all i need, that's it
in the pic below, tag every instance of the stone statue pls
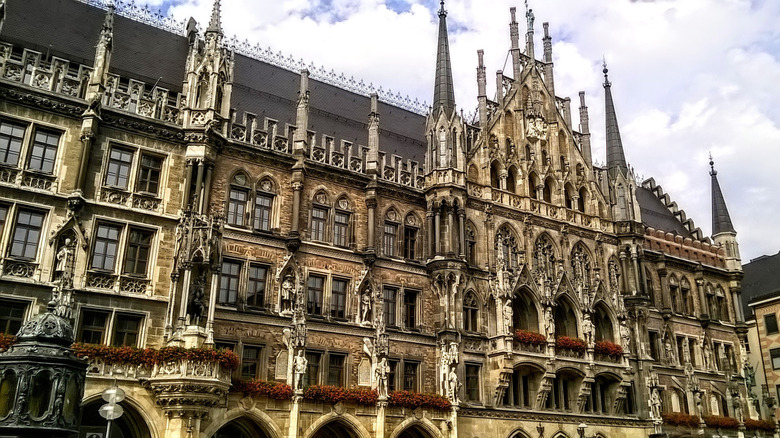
(706, 350)
(736, 400)
(655, 404)
(625, 336)
(452, 381)
(530, 18)
(64, 262)
(288, 293)
(365, 301)
(549, 324)
(669, 351)
(380, 374)
(508, 314)
(587, 330)
(286, 337)
(195, 305)
(300, 365)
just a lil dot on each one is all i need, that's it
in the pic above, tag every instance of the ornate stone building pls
(199, 191)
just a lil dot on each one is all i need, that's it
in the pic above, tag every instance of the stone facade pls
(493, 265)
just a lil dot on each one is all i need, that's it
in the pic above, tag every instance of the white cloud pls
(688, 77)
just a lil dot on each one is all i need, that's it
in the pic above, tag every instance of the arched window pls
(528, 155)
(686, 297)
(674, 294)
(494, 176)
(568, 193)
(533, 182)
(342, 223)
(564, 390)
(524, 313)
(583, 199)
(506, 247)
(523, 386)
(238, 201)
(470, 312)
(712, 304)
(390, 233)
(511, 181)
(602, 325)
(649, 288)
(565, 319)
(602, 394)
(320, 217)
(722, 304)
(549, 188)
(201, 93)
(411, 230)
(264, 203)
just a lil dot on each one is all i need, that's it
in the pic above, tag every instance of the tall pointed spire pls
(443, 90)
(616, 158)
(215, 24)
(721, 221)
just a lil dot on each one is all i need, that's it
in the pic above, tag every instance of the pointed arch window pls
(238, 200)
(507, 248)
(674, 294)
(342, 216)
(390, 235)
(470, 312)
(583, 199)
(320, 216)
(471, 245)
(411, 231)
(722, 304)
(264, 202)
(686, 297)
(581, 266)
(544, 257)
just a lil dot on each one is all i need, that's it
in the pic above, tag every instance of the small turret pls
(302, 117)
(372, 159)
(482, 89)
(585, 131)
(97, 78)
(514, 36)
(722, 229)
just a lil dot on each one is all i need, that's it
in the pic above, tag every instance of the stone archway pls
(241, 427)
(130, 425)
(415, 432)
(336, 429)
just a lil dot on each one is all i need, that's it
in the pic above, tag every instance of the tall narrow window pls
(228, 286)
(137, 254)
(149, 174)
(471, 247)
(250, 362)
(312, 376)
(237, 207)
(118, 172)
(93, 327)
(106, 244)
(27, 234)
(770, 323)
(44, 151)
(3, 217)
(391, 232)
(410, 376)
(336, 369)
(11, 316)
(341, 229)
(389, 302)
(470, 310)
(319, 219)
(126, 329)
(11, 137)
(392, 373)
(472, 382)
(410, 242)
(314, 295)
(338, 299)
(263, 203)
(255, 292)
(410, 309)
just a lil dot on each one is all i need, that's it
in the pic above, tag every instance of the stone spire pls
(102, 55)
(443, 90)
(215, 24)
(616, 158)
(529, 33)
(721, 221)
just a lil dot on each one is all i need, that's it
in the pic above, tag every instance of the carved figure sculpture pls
(380, 374)
(365, 301)
(452, 381)
(195, 305)
(549, 324)
(301, 363)
(587, 330)
(655, 404)
(625, 335)
(288, 293)
(508, 314)
(736, 399)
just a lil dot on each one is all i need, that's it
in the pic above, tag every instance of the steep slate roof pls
(721, 221)
(655, 214)
(69, 29)
(761, 280)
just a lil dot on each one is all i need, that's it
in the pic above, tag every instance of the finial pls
(442, 12)
(215, 24)
(605, 71)
(712, 166)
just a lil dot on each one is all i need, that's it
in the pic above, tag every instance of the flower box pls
(680, 419)
(6, 341)
(336, 394)
(148, 357)
(414, 400)
(575, 345)
(608, 348)
(530, 338)
(764, 425)
(720, 422)
(257, 388)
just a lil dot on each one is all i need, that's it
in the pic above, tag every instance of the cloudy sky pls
(689, 77)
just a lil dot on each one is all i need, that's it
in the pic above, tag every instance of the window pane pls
(392, 368)
(775, 354)
(389, 298)
(11, 136)
(410, 242)
(149, 174)
(770, 323)
(410, 309)
(137, 254)
(314, 295)
(126, 328)
(472, 382)
(255, 293)
(338, 299)
(312, 370)
(26, 234)
(410, 376)
(106, 244)
(336, 370)
(43, 151)
(263, 212)
(250, 362)
(228, 286)
(391, 231)
(341, 229)
(319, 217)
(11, 316)
(237, 207)
(118, 171)
(93, 327)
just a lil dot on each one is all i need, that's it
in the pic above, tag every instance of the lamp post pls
(111, 410)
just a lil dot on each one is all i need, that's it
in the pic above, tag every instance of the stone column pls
(450, 238)
(185, 200)
(185, 291)
(87, 137)
(430, 234)
(212, 305)
(297, 187)
(204, 205)
(437, 231)
(199, 186)
(462, 234)
(371, 206)
(540, 192)
(295, 411)
(381, 407)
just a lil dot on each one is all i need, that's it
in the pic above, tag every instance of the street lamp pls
(581, 430)
(111, 410)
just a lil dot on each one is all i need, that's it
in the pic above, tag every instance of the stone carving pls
(655, 404)
(364, 372)
(549, 324)
(195, 304)
(281, 364)
(448, 378)
(300, 365)
(625, 336)
(588, 330)
(366, 301)
(380, 375)
(508, 314)
(288, 294)
(736, 400)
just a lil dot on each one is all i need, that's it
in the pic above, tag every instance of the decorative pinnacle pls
(215, 24)
(442, 12)
(605, 71)
(713, 172)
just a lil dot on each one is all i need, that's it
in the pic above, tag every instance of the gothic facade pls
(331, 234)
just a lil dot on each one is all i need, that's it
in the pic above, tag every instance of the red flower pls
(257, 388)
(608, 349)
(530, 338)
(147, 357)
(765, 425)
(6, 341)
(719, 422)
(414, 400)
(680, 419)
(574, 344)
